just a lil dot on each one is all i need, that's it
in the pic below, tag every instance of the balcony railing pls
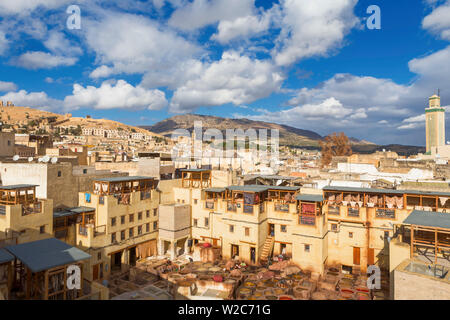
(231, 206)
(282, 207)
(333, 210)
(248, 208)
(385, 213)
(209, 205)
(99, 230)
(83, 231)
(261, 207)
(353, 212)
(309, 220)
(34, 208)
(145, 195)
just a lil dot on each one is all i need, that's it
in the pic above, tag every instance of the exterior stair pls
(267, 249)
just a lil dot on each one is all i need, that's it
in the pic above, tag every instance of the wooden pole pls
(412, 241)
(435, 246)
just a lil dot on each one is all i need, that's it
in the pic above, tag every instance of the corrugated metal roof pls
(390, 191)
(46, 254)
(123, 179)
(249, 188)
(72, 212)
(18, 186)
(261, 188)
(310, 197)
(194, 170)
(429, 219)
(5, 256)
(216, 190)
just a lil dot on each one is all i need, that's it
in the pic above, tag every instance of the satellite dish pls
(40, 160)
(16, 157)
(54, 160)
(46, 159)
(30, 159)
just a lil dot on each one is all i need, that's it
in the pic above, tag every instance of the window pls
(147, 227)
(195, 222)
(283, 228)
(139, 230)
(84, 171)
(147, 213)
(334, 227)
(131, 218)
(113, 222)
(307, 248)
(247, 232)
(182, 201)
(206, 222)
(99, 256)
(131, 232)
(101, 200)
(42, 229)
(122, 235)
(231, 228)
(155, 212)
(155, 225)
(113, 237)
(195, 201)
(386, 235)
(122, 220)
(350, 234)
(59, 173)
(139, 215)
(9, 142)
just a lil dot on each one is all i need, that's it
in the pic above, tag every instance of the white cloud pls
(200, 13)
(42, 60)
(7, 86)
(58, 44)
(234, 79)
(4, 43)
(22, 7)
(242, 27)
(133, 44)
(312, 28)
(118, 95)
(32, 99)
(438, 21)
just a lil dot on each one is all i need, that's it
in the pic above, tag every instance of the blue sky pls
(309, 64)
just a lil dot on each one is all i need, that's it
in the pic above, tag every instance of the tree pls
(334, 145)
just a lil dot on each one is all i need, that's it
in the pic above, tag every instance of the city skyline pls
(143, 61)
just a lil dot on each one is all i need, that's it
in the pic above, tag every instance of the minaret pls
(435, 123)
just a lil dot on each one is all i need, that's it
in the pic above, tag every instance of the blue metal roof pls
(18, 186)
(428, 219)
(46, 254)
(310, 197)
(5, 256)
(387, 191)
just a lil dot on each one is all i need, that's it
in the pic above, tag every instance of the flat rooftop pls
(46, 254)
(71, 212)
(124, 179)
(18, 186)
(428, 219)
(390, 191)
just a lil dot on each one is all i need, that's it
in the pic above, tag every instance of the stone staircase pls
(267, 249)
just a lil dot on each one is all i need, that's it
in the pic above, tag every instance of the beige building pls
(124, 226)
(24, 217)
(435, 124)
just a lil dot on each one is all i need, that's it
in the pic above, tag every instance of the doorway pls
(253, 254)
(271, 230)
(133, 256)
(356, 256)
(116, 261)
(234, 251)
(371, 257)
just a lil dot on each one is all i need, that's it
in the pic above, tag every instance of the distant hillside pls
(21, 117)
(288, 135)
